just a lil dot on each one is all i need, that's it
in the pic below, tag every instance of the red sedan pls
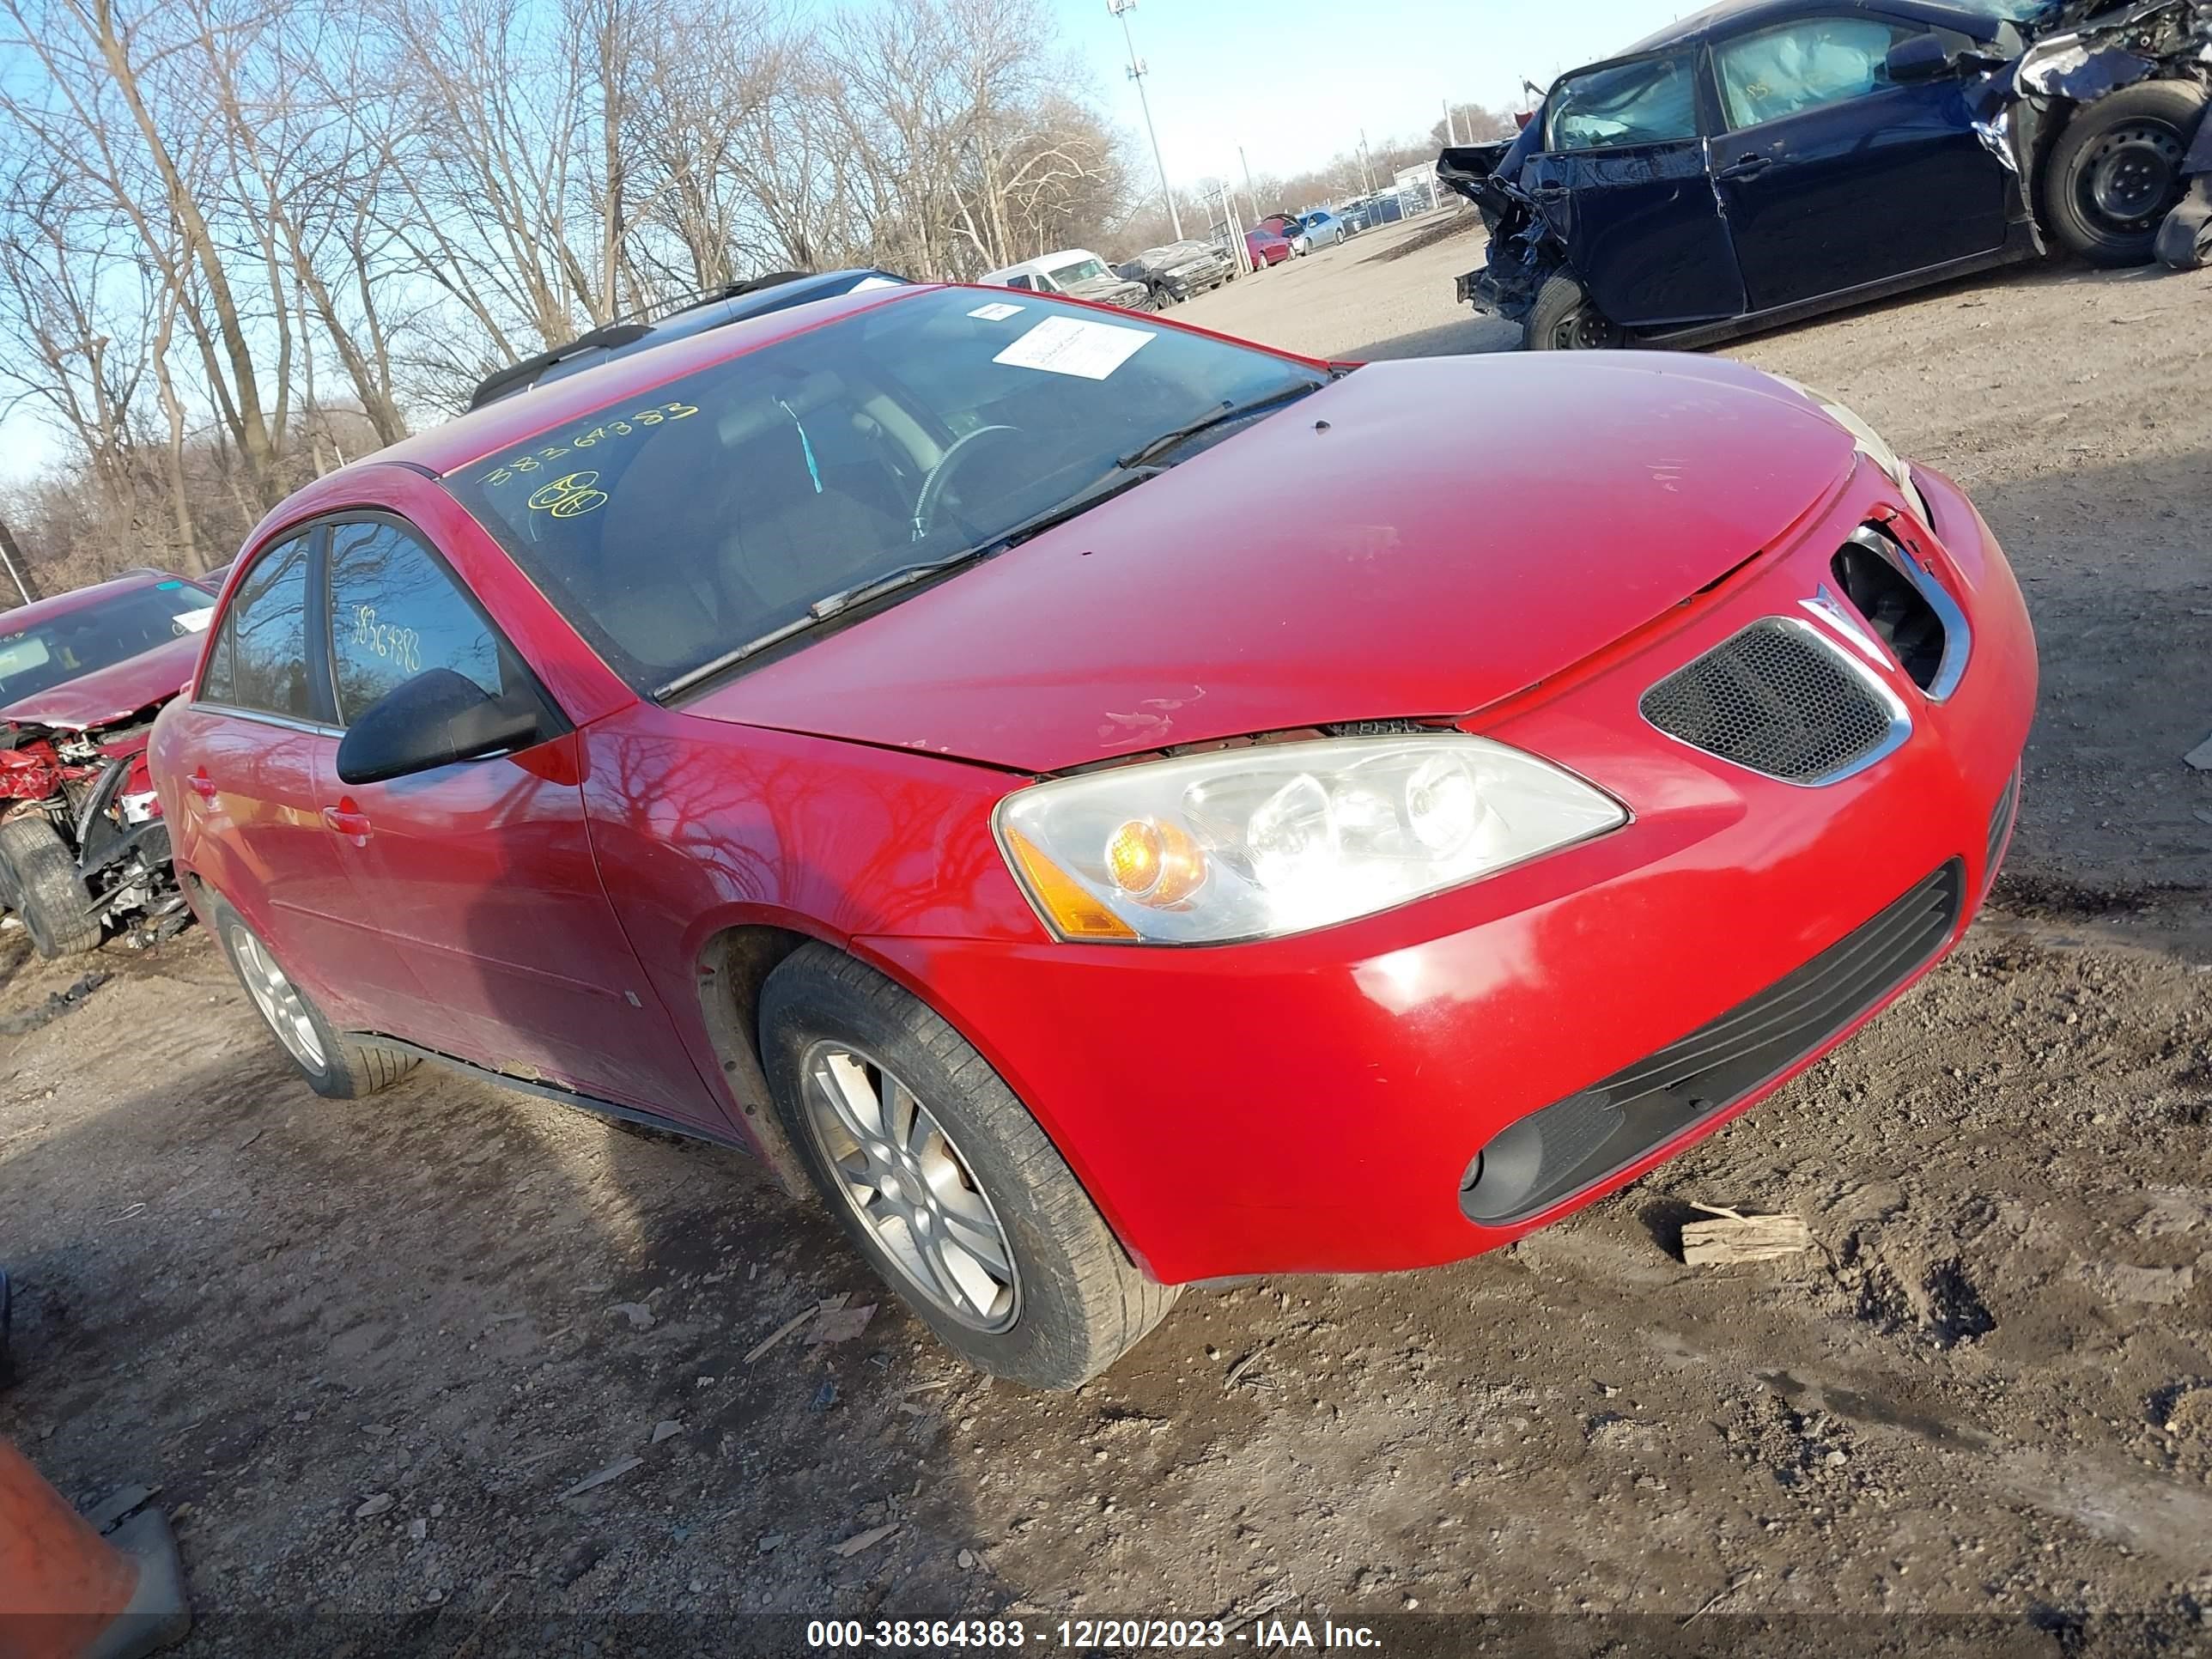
(1266, 247)
(884, 736)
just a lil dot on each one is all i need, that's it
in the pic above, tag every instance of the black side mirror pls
(433, 720)
(1929, 57)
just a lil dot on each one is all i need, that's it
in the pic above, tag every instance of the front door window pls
(1805, 65)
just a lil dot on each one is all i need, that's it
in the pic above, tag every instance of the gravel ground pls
(373, 1354)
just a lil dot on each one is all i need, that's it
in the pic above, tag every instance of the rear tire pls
(336, 1066)
(1563, 319)
(862, 1073)
(2115, 172)
(40, 880)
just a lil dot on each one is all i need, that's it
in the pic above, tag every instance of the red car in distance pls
(1267, 245)
(82, 846)
(884, 735)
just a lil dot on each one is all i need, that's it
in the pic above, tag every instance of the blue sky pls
(1291, 81)
(1294, 80)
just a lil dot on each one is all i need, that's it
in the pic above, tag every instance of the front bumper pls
(1315, 1104)
(1199, 279)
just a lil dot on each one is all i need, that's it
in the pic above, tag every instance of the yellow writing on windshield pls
(528, 461)
(569, 496)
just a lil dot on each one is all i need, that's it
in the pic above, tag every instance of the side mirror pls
(433, 720)
(1929, 57)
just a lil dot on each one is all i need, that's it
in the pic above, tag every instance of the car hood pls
(1106, 288)
(110, 694)
(1418, 539)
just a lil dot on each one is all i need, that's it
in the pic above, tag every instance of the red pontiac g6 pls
(884, 735)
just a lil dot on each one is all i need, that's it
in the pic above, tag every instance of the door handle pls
(345, 821)
(1745, 167)
(201, 784)
(1548, 193)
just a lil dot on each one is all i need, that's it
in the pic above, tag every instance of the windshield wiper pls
(1221, 417)
(1122, 477)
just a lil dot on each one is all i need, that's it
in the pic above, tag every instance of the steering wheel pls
(927, 500)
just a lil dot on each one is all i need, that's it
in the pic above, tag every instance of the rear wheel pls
(943, 1181)
(2115, 172)
(39, 881)
(1563, 319)
(337, 1067)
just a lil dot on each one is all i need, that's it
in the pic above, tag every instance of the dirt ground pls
(369, 1353)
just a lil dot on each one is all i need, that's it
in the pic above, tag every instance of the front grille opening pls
(1576, 1142)
(1893, 608)
(1778, 698)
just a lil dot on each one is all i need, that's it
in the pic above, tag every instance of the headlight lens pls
(1871, 443)
(1278, 838)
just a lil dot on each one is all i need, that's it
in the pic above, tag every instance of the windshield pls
(675, 526)
(1083, 270)
(96, 636)
(1649, 102)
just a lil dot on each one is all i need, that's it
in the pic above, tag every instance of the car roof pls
(1737, 16)
(60, 604)
(493, 426)
(1066, 256)
(752, 298)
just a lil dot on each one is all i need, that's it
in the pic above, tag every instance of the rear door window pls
(1805, 65)
(396, 613)
(1653, 100)
(260, 661)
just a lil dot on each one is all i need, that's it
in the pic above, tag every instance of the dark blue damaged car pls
(1764, 161)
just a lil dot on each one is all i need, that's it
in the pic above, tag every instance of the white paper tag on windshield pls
(195, 622)
(1070, 345)
(997, 312)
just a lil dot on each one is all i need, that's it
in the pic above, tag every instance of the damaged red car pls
(83, 849)
(890, 736)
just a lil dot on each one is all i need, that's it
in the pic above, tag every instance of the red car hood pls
(110, 694)
(1421, 537)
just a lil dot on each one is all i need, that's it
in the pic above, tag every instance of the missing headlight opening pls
(1893, 608)
(1908, 607)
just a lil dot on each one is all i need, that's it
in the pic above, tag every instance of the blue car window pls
(1651, 101)
(1805, 65)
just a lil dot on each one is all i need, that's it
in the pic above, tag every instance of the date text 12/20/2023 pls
(1265, 1635)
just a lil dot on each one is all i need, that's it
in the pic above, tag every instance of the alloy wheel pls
(280, 1005)
(906, 1182)
(2132, 174)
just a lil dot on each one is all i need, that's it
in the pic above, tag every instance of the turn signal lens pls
(1071, 910)
(1155, 862)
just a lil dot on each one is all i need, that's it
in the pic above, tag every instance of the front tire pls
(39, 880)
(336, 1066)
(1563, 319)
(943, 1180)
(2115, 172)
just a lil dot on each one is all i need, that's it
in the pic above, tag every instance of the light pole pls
(1122, 9)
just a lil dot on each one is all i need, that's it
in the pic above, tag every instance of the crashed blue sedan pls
(1764, 161)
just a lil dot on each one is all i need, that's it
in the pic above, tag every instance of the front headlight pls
(1277, 838)
(1871, 444)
